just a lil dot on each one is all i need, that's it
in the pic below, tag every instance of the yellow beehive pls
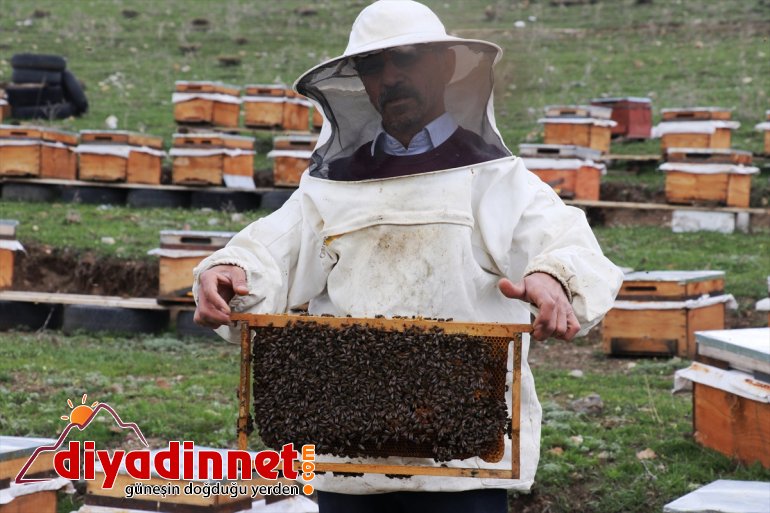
(570, 170)
(263, 106)
(117, 156)
(37, 151)
(578, 125)
(208, 159)
(291, 156)
(207, 103)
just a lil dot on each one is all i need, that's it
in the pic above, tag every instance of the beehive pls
(570, 170)
(658, 312)
(120, 156)
(578, 125)
(372, 340)
(37, 151)
(731, 408)
(208, 103)
(211, 159)
(765, 127)
(8, 248)
(296, 112)
(4, 107)
(180, 252)
(632, 115)
(701, 127)
(726, 184)
(291, 156)
(14, 455)
(263, 106)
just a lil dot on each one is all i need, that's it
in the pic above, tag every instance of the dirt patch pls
(46, 269)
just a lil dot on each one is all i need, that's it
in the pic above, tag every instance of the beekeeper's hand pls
(218, 286)
(555, 317)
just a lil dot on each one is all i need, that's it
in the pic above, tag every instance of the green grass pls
(134, 230)
(683, 53)
(744, 258)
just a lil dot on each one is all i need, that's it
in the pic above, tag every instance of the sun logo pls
(81, 413)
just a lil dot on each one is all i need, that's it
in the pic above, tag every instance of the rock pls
(590, 405)
(576, 373)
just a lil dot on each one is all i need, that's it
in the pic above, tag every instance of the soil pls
(47, 269)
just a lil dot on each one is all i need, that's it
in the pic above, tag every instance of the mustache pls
(397, 93)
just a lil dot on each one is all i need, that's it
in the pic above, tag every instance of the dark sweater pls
(463, 148)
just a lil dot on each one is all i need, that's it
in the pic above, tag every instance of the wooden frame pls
(248, 322)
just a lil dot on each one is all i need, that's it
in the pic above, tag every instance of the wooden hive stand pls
(572, 171)
(212, 158)
(179, 253)
(291, 156)
(263, 105)
(120, 156)
(632, 115)
(208, 103)
(497, 333)
(37, 151)
(652, 315)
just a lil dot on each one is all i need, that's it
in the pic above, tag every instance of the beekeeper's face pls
(406, 84)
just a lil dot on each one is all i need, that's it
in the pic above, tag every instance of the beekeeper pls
(413, 205)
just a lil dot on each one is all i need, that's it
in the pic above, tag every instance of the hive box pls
(8, 248)
(14, 453)
(700, 127)
(209, 103)
(632, 115)
(4, 107)
(709, 156)
(570, 170)
(37, 151)
(119, 156)
(578, 125)
(765, 127)
(211, 159)
(296, 112)
(726, 184)
(658, 312)
(263, 106)
(291, 156)
(731, 408)
(180, 251)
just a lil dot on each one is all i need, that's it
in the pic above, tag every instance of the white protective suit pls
(433, 244)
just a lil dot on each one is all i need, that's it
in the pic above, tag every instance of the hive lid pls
(617, 99)
(725, 496)
(206, 86)
(675, 276)
(14, 447)
(8, 228)
(578, 111)
(266, 89)
(191, 239)
(745, 349)
(558, 151)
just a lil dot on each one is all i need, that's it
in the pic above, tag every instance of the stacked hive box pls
(291, 156)
(632, 115)
(180, 251)
(708, 175)
(3, 108)
(765, 127)
(206, 103)
(118, 156)
(14, 454)
(699, 127)
(263, 106)
(731, 403)
(213, 159)
(37, 151)
(8, 248)
(578, 125)
(570, 170)
(658, 312)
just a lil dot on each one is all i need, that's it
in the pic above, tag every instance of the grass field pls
(129, 53)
